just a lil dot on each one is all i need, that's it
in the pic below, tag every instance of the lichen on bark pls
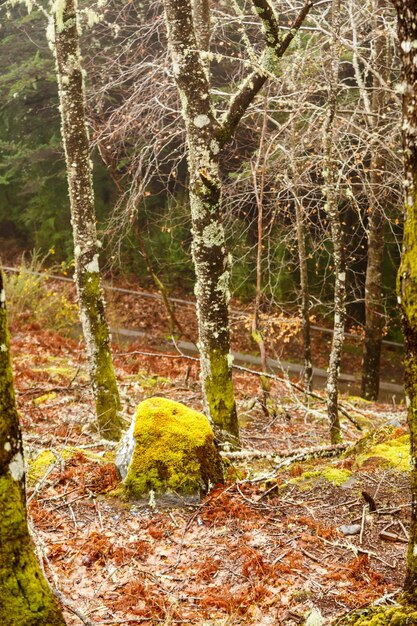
(86, 247)
(407, 274)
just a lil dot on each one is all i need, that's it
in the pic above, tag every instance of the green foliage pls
(34, 204)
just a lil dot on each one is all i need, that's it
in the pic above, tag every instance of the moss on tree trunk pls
(25, 596)
(86, 247)
(407, 275)
(211, 261)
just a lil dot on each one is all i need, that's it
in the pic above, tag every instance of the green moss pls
(43, 399)
(392, 453)
(380, 616)
(357, 399)
(174, 450)
(39, 466)
(106, 393)
(25, 597)
(333, 475)
(220, 395)
(56, 368)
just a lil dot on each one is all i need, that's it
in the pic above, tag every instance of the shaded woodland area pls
(208, 242)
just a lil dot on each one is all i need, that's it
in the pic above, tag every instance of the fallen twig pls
(43, 558)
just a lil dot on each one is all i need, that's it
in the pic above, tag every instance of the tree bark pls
(86, 246)
(211, 261)
(188, 42)
(302, 233)
(25, 596)
(305, 294)
(407, 275)
(332, 208)
(374, 299)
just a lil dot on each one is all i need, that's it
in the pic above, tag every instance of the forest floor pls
(266, 548)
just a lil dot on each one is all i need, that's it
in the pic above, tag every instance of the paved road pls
(389, 392)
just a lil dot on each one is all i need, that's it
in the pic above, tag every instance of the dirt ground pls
(264, 549)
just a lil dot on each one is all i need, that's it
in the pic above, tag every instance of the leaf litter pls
(265, 548)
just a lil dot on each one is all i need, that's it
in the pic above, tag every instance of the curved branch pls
(275, 50)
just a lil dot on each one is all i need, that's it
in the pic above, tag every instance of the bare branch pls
(275, 49)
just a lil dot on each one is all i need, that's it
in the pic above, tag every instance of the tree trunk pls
(331, 194)
(188, 26)
(25, 596)
(86, 246)
(374, 301)
(305, 294)
(211, 262)
(407, 275)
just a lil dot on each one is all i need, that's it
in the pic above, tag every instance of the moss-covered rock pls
(168, 449)
(387, 447)
(381, 616)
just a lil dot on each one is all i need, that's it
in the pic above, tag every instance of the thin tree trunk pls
(374, 299)
(305, 294)
(300, 217)
(331, 194)
(259, 195)
(407, 275)
(86, 246)
(25, 596)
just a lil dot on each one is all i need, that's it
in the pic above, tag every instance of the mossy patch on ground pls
(47, 397)
(333, 475)
(381, 616)
(39, 466)
(385, 447)
(174, 451)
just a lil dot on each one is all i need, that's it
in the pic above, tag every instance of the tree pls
(25, 596)
(407, 274)
(379, 197)
(188, 26)
(86, 245)
(331, 192)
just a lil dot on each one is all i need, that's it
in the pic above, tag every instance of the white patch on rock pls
(315, 618)
(125, 450)
(7, 446)
(2, 296)
(201, 120)
(17, 467)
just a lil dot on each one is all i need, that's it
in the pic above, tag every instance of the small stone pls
(352, 529)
